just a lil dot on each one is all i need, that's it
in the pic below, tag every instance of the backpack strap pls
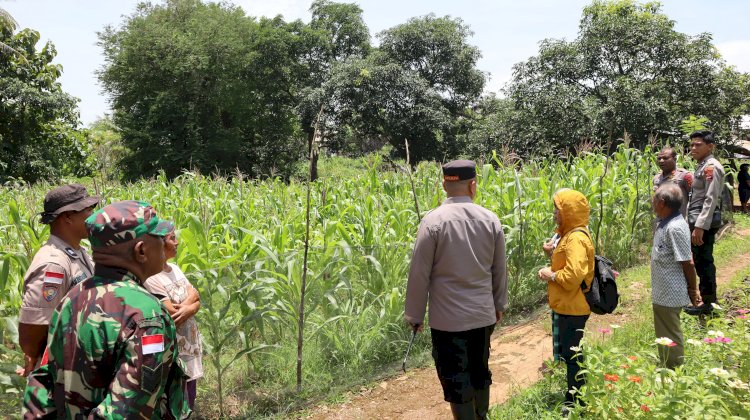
(583, 282)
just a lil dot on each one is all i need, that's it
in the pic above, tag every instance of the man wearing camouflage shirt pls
(112, 349)
(59, 264)
(704, 215)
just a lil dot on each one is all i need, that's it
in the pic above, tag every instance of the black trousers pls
(461, 360)
(567, 332)
(703, 257)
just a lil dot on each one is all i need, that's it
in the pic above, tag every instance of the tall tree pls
(437, 83)
(336, 33)
(39, 136)
(629, 71)
(197, 85)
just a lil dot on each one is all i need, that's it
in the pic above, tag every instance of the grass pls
(691, 392)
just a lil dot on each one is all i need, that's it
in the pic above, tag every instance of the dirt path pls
(517, 354)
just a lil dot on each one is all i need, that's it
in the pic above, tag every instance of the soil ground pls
(517, 354)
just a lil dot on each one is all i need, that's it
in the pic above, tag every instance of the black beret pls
(459, 170)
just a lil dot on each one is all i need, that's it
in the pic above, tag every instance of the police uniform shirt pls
(55, 269)
(458, 265)
(705, 197)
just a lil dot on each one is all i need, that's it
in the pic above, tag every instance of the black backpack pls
(602, 297)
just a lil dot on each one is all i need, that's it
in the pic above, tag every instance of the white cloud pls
(736, 53)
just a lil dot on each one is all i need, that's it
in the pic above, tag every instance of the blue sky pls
(505, 31)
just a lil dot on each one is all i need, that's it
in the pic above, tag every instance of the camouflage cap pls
(123, 221)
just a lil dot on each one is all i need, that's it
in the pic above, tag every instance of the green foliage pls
(38, 121)
(693, 123)
(629, 71)
(241, 246)
(107, 149)
(197, 85)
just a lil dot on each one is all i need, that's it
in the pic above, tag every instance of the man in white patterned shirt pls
(674, 284)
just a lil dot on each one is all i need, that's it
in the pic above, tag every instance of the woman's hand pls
(546, 274)
(549, 248)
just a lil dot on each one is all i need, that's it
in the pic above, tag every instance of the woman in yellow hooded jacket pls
(572, 264)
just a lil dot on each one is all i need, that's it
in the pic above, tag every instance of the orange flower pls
(610, 387)
(632, 358)
(625, 366)
(645, 408)
(612, 378)
(619, 409)
(633, 378)
(649, 393)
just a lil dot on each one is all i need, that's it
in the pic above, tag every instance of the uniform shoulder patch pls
(151, 344)
(709, 172)
(53, 274)
(71, 252)
(688, 179)
(50, 291)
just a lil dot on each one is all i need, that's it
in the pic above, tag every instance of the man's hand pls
(498, 317)
(549, 248)
(29, 363)
(545, 274)
(415, 327)
(695, 297)
(697, 237)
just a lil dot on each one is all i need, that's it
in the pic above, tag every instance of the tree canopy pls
(39, 136)
(628, 71)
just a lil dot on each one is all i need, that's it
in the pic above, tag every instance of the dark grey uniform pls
(704, 212)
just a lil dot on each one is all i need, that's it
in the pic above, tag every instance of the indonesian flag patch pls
(53, 277)
(152, 343)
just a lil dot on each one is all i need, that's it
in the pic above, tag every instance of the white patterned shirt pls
(671, 248)
(173, 285)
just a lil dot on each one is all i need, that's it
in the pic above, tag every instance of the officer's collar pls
(60, 243)
(458, 199)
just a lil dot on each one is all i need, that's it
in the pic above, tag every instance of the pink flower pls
(709, 340)
(725, 340)
(605, 330)
(742, 317)
(672, 344)
(743, 311)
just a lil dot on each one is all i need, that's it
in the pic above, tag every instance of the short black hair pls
(671, 149)
(705, 135)
(744, 166)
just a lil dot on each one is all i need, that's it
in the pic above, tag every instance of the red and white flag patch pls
(151, 344)
(53, 277)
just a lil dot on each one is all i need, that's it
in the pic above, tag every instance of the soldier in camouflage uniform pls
(112, 346)
(59, 264)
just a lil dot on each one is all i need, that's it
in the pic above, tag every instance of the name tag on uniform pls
(151, 344)
(52, 277)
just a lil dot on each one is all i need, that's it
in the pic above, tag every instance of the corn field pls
(241, 245)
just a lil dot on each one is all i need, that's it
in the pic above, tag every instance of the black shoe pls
(704, 309)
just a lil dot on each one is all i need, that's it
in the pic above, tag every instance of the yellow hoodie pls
(573, 258)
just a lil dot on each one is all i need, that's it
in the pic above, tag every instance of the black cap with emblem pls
(459, 170)
(71, 197)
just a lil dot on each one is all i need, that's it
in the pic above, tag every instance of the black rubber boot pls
(482, 403)
(463, 411)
